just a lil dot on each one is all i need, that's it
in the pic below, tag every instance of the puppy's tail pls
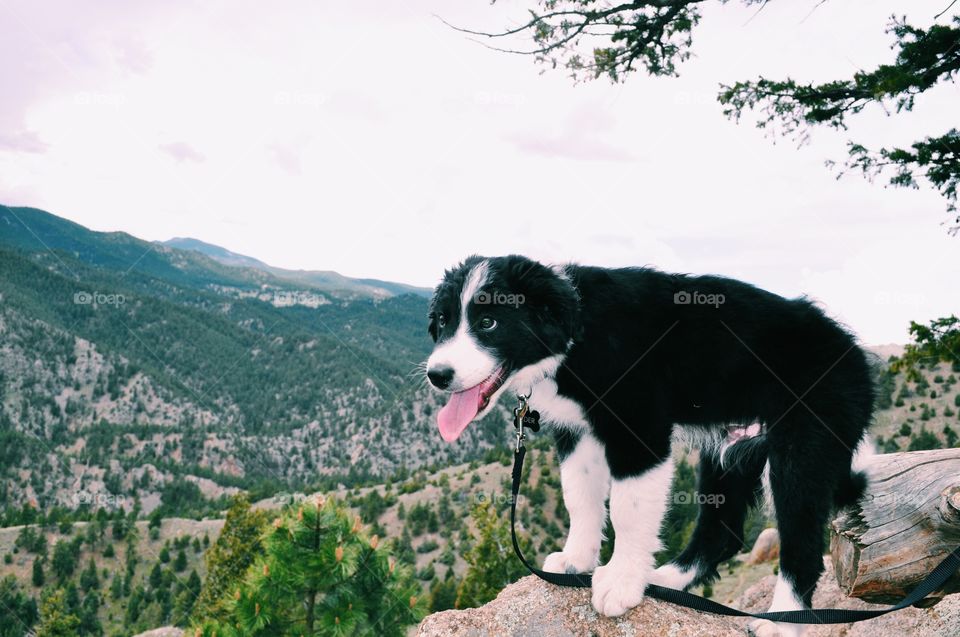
(852, 488)
(745, 457)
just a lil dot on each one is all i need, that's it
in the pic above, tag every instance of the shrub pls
(490, 560)
(427, 546)
(924, 441)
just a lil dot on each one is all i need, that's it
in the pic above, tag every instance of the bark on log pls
(906, 523)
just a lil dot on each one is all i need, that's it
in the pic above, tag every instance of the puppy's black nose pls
(440, 376)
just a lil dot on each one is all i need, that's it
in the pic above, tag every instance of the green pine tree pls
(229, 558)
(64, 561)
(89, 622)
(89, 578)
(320, 574)
(116, 586)
(185, 599)
(135, 605)
(156, 577)
(38, 576)
(18, 610)
(443, 593)
(55, 621)
(491, 563)
(180, 563)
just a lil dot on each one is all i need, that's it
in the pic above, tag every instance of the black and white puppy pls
(614, 360)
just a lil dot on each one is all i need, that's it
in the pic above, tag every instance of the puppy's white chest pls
(557, 410)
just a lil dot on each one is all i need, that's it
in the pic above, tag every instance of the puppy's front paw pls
(617, 588)
(568, 562)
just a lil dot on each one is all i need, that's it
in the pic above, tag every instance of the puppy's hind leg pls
(806, 466)
(725, 492)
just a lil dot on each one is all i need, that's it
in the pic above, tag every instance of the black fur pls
(641, 362)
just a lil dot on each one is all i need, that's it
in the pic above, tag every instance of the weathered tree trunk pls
(906, 523)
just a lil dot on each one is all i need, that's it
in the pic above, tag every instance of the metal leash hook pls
(518, 414)
(524, 418)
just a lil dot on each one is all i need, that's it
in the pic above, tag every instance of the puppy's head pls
(497, 323)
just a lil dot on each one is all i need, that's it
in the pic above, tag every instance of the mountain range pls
(331, 282)
(129, 366)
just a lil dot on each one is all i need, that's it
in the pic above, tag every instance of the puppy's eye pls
(487, 323)
(441, 321)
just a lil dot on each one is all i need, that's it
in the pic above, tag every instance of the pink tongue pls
(458, 412)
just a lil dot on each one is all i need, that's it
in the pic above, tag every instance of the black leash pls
(525, 418)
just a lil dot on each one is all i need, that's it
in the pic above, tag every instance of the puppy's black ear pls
(550, 297)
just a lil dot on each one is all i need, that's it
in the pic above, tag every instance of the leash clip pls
(518, 414)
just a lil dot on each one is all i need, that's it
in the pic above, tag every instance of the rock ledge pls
(533, 608)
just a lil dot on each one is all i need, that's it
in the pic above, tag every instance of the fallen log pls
(905, 524)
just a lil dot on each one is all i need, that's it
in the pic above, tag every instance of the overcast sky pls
(370, 139)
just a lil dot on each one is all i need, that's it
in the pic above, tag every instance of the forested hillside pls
(131, 370)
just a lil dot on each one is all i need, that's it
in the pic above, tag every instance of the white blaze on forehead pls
(475, 280)
(471, 363)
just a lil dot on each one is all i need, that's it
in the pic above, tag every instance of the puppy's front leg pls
(637, 507)
(586, 482)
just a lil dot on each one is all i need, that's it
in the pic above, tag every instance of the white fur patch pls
(768, 506)
(585, 477)
(561, 271)
(537, 382)
(557, 410)
(863, 454)
(784, 598)
(526, 379)
(706, 439)
(672, 576)
(475, 280)
(637, 508)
